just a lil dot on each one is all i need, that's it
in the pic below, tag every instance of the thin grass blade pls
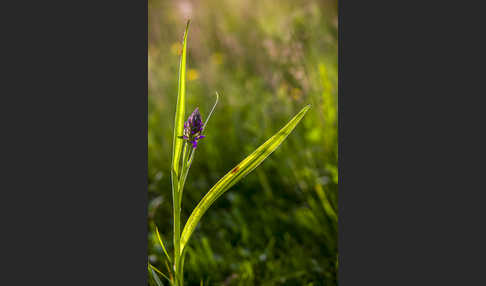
(156, 277)
(162, 244)
(151, 279)
(237, 173)
(211, 112)
(180, 110)
(325, 203)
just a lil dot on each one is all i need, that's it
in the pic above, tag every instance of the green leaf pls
(211, 112)
(325, 203)
(180, 110)
(151, 280)
(162, 244)
(156, 277)
(237, 173)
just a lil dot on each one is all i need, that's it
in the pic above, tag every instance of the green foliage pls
(155, 274)
(180, 109)
(178, 175)
(237, 173)
(162, 245)
(268, 58)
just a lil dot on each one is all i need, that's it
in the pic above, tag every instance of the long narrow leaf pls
(180, 109)
(237, 173)
(156, 277)
(151, 279)
(162, 244)
(211, 112)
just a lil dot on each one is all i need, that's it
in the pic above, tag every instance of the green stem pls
(188, 154)
(177, 214)
(176, 210)
(177, 232)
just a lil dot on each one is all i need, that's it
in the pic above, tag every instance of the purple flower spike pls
(193, 128)
(195, 121)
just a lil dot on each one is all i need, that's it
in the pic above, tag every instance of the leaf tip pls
(306, 108)
(187, 25)
(186, 31)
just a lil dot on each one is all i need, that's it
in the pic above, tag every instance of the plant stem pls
(185, 169)
(177, 233)
(177, 214)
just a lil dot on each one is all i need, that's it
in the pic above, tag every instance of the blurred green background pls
(267, 59)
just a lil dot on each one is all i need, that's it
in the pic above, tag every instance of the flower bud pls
(193, 128)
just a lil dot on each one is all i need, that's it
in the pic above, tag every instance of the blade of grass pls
(180, 109)
(162, 244)
(151, 279)
(237, 173)
(211, 112)
(325, 203)
(156, 277)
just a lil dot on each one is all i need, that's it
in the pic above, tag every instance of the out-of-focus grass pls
(267, 59)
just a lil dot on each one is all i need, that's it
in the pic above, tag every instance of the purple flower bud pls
(195, 121)
(193, 128)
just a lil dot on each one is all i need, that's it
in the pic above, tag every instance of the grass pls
(279, 225)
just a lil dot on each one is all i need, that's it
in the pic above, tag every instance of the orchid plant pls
(187, 135)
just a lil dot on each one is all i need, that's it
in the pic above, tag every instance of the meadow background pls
(267, 59)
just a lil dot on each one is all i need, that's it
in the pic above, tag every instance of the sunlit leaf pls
(180, 110)
(162, 244)
(237, 173)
